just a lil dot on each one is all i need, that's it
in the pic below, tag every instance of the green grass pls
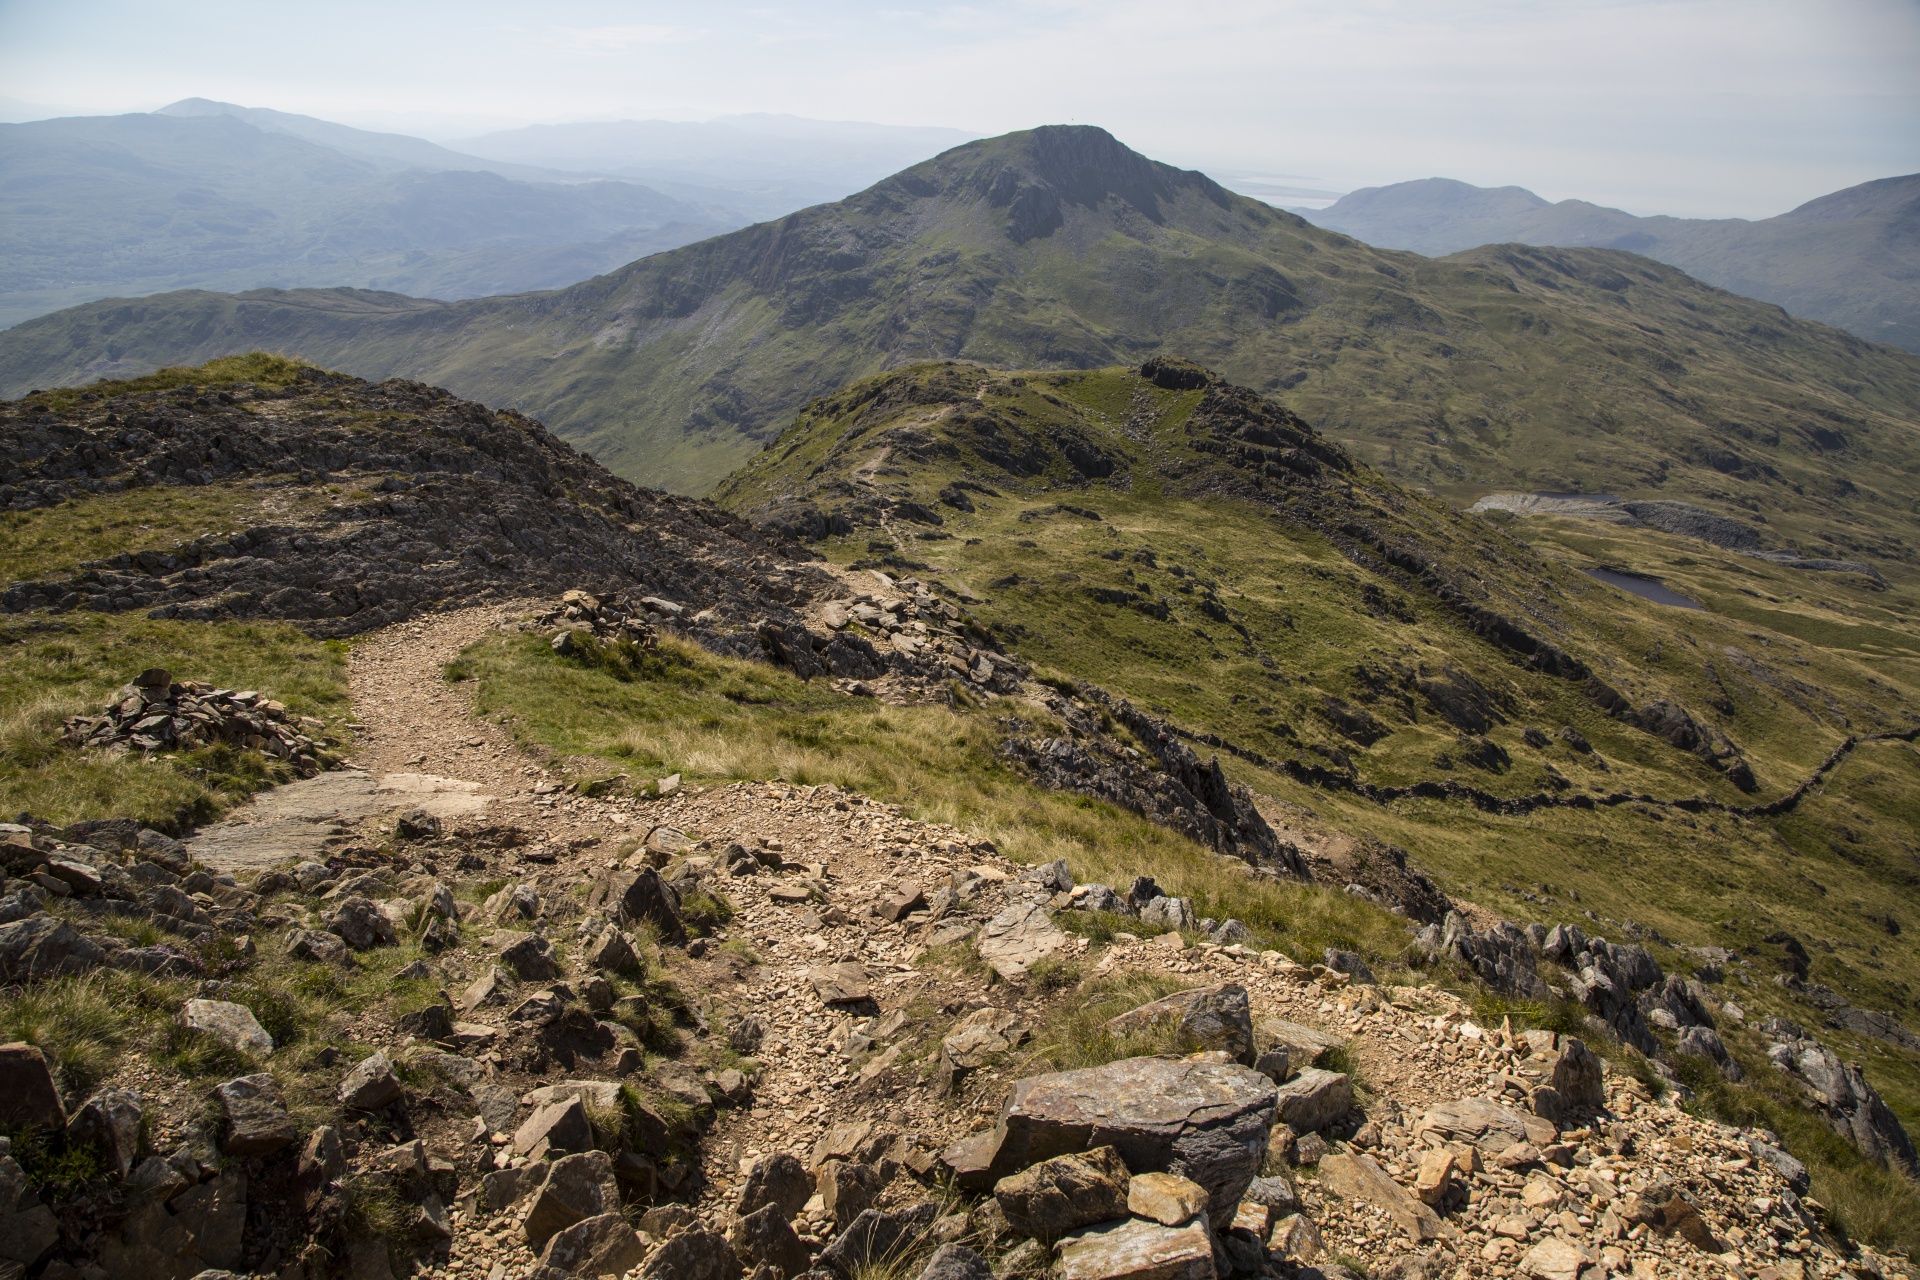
(1074, 1033)
(54, 666)
(257, 367)
(51, 540)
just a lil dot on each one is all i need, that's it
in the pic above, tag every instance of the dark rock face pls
(442, 501)
(1183, 794)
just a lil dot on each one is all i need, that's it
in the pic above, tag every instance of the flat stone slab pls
(303, 820)
(1135, 1249)
(1206, 1121)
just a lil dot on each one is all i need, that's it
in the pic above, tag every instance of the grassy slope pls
(1501, 367)
(68, 664)
(1831, 872)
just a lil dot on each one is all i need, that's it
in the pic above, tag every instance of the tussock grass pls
(1075, 1034)
(80, 1023)
(258, 367)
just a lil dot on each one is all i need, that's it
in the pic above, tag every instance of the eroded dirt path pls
(835, 896)
(415, 720)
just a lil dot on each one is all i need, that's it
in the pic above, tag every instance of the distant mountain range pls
(1510, 368)
(205, 194)
(757, 166)
(1850, 259)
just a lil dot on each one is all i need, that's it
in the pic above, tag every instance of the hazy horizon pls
(1699, 108)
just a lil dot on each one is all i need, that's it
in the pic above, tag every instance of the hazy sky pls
(1697, 107)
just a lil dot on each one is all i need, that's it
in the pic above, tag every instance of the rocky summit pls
(393, 497)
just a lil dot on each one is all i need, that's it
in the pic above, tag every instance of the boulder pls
(416, 824)
(777, 1180)
(561, 1125)
(489, 988)
(955, 1262)
(1434, 1178)
(1204, 1018)
(28, 1098)
(215, 1216)
(641, 897)
(845, 983)
(231, 1024)
(1555, 1259)
(765, 1238)
(319, 948)
(1207, 1121)
(1314, 1099)
(1166, 1198)
(1579, 1078)
(28, 1228)
(1170, 913)
(1354, 1176)
(1138, 1250)
(1351, 964)
(876, 1235)
(1276, 1193)
(612, 952)
(692, 1255)
(322, 1161)
(361, 925)
(257, 1122)
(109, 1122)
(577, 1187)
(909, 898)
(1304, 1046)
(433, 1022)
(848, 1188)
(371, 1085)
(974, 1041)
(1018, 938)
(603, 1245)
(1053, 1197)
(1295, 1238)
(41, 947)
(530, 958)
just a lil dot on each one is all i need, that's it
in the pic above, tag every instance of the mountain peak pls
(1037, 174)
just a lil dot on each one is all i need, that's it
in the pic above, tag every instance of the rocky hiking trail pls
(771, 1029)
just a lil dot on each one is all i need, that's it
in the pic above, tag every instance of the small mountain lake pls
(1645, 588)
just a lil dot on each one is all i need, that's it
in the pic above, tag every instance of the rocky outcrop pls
(1502, 956)
(1182, 793)
(440, 500)
(1852, 1106)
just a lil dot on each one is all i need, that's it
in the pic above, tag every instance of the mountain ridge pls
(1848, 258)
(1505, 368)
(105, 204)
